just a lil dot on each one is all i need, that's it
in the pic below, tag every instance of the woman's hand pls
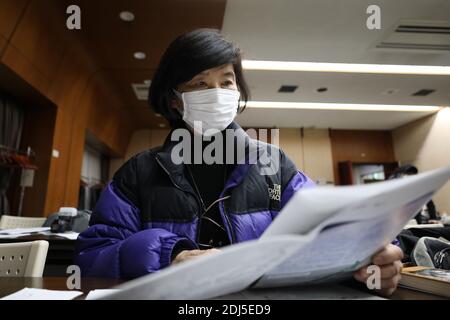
(389, 261)
(192, 254)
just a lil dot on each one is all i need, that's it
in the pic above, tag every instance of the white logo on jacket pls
(275, 192)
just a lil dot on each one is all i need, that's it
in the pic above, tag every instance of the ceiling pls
(113, 42)
(342, 119)
(336, 32)
(326, 30)
(342, 88)
(290, 30)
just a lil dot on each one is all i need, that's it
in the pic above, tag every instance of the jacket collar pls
(176, 171)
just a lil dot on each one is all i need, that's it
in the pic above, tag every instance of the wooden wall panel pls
(38, 37)
(105, 116)
(39, 120)
(157, 23)
(20, 64)
(85, 102)
(59, 68)
(361, 146)
(59, 166)
(75, 163)
(71, 79)
(38, 132)
(69, 68)
(66, 91)
(107, 126)
(10, 13)
(3, 44)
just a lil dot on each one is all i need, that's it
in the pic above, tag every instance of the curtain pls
(11, 126)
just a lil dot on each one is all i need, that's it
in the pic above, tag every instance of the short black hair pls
(187, 56)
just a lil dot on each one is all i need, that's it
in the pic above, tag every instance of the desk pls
(329, 291)
(59, 256)
(11, 285)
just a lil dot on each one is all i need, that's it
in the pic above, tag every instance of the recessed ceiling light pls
(127, 16)
(344, 67)
(140, 55)
(340, 106)
(158, 115)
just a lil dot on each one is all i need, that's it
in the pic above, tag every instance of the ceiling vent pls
(287, 89)
(141, 90)
(419, 35)
(424, 92)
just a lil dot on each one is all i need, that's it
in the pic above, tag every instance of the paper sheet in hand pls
(321, 234)
(364, 219)
(100, 293)
(232, 270)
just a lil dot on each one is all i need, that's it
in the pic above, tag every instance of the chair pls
(13, 222)
(23, 259)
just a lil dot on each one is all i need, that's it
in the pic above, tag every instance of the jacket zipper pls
(167, 172)
(178, 187)
(233, 236)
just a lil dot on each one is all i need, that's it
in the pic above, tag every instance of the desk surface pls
(60, 256)
(11, 285)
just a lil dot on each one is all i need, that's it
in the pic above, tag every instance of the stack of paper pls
(21, 232)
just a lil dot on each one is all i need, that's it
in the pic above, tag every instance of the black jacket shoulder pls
(128, 176)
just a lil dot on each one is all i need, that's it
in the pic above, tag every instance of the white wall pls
(426, 144)
(291, 143)
(318, 162)
(311, 153)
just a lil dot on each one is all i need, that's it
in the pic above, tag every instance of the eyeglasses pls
(214, 228)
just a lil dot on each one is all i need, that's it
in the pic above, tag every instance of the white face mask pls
(214, 108)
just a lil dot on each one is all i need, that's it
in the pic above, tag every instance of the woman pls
(158, 212)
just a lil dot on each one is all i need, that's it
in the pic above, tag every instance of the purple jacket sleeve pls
(292, 179)
(297, 182)
(115, 246)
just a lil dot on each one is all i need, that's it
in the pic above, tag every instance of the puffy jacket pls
(150, 207)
